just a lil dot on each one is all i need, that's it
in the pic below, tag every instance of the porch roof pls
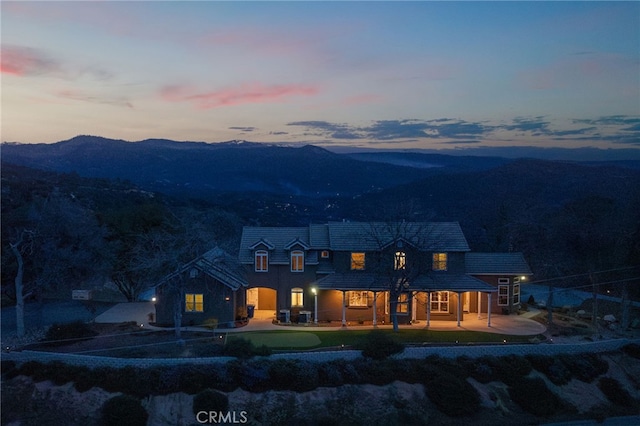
(372, 282)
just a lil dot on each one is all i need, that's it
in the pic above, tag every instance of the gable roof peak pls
(296, 242)
(262, 242)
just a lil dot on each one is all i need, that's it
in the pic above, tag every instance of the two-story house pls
(358, 271)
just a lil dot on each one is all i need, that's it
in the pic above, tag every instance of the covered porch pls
(361, 298)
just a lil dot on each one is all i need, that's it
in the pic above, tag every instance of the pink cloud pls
(24, 61)
(251, 93)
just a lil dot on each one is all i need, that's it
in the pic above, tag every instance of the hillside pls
(197, 169)
(564, 216)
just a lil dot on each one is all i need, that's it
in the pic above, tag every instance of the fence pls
(473, 351)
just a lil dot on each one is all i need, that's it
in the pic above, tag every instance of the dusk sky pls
(381, 74)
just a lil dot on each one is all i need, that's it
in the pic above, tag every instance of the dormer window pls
(439, 262)
(357, 261)
(297, 261)
(262, 261)
(400, 261)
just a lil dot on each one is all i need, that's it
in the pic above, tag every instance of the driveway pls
(39, 315)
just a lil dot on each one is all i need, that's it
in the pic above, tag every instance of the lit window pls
(403, 303)
(297, 261)
(439, 261)
(262, 261)
(516, 291)
(194, 303)
(440, 301)
(358, 298)
(324, 254)
(400, 261)
(357, 261)
(297, 297)
(503, 291)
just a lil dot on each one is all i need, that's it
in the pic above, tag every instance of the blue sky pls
(381, 74)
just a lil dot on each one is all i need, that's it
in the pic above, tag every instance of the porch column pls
(344, 308)
(459, 307)
(375, 309)
(428, 308)
(489, 310)
(479, 305)
(414, 306)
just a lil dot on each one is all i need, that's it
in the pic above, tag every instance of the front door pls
(465, 302)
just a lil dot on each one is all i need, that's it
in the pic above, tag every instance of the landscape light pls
(153, 299)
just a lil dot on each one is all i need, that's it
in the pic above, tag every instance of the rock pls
(609, 318)
(581, 312)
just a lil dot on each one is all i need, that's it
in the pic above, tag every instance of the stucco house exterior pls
(356, 271)
(212, 286)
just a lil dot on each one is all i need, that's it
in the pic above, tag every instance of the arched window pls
(297, 297)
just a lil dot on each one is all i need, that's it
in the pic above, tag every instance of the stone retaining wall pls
(473, 351)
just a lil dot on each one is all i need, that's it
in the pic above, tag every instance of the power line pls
(584, 274)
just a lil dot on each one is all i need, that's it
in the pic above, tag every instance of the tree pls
(60, 243)
(401, 249)
(18, 247)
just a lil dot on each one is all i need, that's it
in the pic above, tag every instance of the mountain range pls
(199, 168)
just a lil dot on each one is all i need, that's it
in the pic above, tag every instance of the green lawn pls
(353, 338)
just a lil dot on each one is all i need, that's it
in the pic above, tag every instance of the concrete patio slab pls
(520, 325)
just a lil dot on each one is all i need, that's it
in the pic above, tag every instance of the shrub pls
(330, 374)
(124, 410)
(533, 396)
(379, 372)
(552, 367)
(7, 366)
(478, 368)
(633, 350)
(262, 350)
(211, 323)
(585, 367)
(614, 392)
(239, 348)
(293, 375)
(60, 334)
(251, 376)
(453, 396)
(511, 368)
(380, 345)
(210, 400)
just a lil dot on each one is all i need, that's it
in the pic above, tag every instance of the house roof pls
(278, 238)
(369, 281)
(351, 236)
(431, 236)
(217, 264)
(496, 264)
